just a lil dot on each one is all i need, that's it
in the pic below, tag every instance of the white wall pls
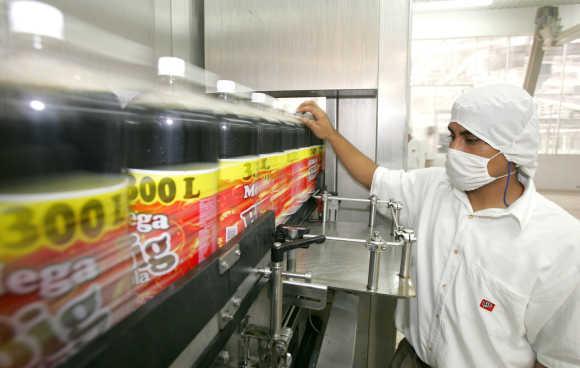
(558, 172)
(122, 29)
(136, 31)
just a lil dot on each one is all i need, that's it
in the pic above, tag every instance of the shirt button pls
(437, 315)
(455, 251)
(444, 285)
(429, 347)
(471, 216)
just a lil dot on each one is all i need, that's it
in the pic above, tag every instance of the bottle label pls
(270, 182)
(65, 271)
(237, 198)
(297, 171)
(173, 223)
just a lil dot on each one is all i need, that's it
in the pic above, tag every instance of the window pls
(443, 69)
(558, 98)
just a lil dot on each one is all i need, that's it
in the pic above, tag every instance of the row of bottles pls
(105, 202)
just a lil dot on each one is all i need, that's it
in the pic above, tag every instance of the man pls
(497, 265)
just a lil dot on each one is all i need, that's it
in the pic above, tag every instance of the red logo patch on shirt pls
(487, 305)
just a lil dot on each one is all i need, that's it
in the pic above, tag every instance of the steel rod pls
(352, 240)
(324, 212)
(293, 275)
(405, 270)
(346, 199)
(374, 267)
(276, 317)
(373, 215)
(291, 261)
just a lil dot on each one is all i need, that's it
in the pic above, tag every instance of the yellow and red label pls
(270, 182)
(65, 271)
(301, 172)
(238, 195)
(296, 172)
(174, 224)
(314, 168)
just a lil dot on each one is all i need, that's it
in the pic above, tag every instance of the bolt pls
(224, 357)
(280, 347)
(236, 302)
(227, 316)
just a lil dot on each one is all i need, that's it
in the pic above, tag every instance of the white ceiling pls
(520, 3)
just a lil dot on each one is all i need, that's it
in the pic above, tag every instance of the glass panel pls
(442, 69)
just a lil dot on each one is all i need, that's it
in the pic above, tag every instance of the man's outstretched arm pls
(359, 166)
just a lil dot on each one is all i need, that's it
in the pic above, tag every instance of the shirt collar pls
(521, 209)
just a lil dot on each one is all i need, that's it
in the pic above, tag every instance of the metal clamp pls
(408, 237)
(267, 272)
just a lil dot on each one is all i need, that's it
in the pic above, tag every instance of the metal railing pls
(375, 243)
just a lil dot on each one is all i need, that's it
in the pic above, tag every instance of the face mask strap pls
(494, 156)
(507, 183)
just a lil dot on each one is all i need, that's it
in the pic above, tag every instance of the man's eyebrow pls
(463, 132)
(466, 133)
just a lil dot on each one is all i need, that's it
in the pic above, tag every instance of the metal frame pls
(547, 25)
(375, 243)
(393, 77)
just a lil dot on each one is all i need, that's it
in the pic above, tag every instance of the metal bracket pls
(305, 295)
(229, 258)
(227, 313)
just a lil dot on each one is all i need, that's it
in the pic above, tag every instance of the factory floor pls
(568, 200)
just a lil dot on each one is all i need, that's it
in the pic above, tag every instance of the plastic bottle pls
(171, 143)
(65, 269)
(238, 162)
(272, 158)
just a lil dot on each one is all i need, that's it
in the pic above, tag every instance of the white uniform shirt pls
(495, 288)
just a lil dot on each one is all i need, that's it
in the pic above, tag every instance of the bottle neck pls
(227, 97)
(27, 41)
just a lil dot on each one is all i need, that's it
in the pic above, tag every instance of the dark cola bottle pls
(65, 267)
(171, 143)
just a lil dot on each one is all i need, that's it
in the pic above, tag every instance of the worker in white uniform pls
(496, 265)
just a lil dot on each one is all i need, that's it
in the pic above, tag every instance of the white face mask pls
(467, 171)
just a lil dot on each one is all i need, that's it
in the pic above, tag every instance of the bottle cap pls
(36, 18)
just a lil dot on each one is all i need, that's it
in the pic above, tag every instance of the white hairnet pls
(504, 116)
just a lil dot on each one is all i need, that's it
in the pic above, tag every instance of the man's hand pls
(359, 166)
(321, 124)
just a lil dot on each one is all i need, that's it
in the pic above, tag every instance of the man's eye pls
(471, 140)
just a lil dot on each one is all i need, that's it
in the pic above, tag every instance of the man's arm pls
(359, 166)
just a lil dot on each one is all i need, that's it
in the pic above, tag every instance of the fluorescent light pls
(434, 5)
